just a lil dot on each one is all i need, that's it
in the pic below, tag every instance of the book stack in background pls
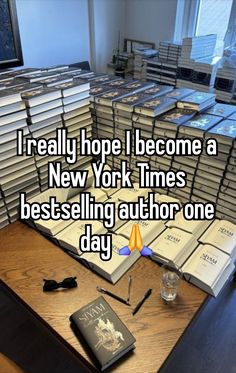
(194, 166)
(225, 134)
(225, 84)
(164, 68)
(144, 117)
(141, 56)
(44, 109)
(76, 114)
(167, 126)
(17, 174)
(197, 66)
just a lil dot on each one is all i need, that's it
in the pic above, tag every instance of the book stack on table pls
(44, 109)
(144, 117)
(76, 113)
(225, 133)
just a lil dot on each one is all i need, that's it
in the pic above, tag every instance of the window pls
(201, 17)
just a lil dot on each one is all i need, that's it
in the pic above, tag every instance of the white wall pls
(150, 20)
(53, 31)
(108, 18)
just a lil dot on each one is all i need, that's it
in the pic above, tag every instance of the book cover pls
(157, 105)
(225, 128)
(104, 332)
(199, 98)
(158, 90)
(222, 110)
(202, 122)
(177, 116)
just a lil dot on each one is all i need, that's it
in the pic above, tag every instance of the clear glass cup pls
(169, 283)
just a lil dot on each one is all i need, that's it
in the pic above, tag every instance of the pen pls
(104, 291)
(129, 288)
(146, 295)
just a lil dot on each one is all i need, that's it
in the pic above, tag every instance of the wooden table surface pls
(26, 258)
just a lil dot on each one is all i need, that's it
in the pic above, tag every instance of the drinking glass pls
(169, 283)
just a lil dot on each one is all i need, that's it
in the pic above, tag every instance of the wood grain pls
(26, 258)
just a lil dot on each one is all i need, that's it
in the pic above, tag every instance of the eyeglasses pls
(67, 283)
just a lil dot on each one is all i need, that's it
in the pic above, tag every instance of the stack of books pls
(197, 65)
(44, 109)
(167, 126)
(194, 166)
(225, 133)
(16, 174)
(76, 114)
(164, 68)
(225, 84)
(141, 55)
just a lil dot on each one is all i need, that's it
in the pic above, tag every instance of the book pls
(155, 106)
(222, 235)
(208, 268)
(197, 101)
(108, 98)
(196, 227)
(117, 266)
(149, 229)
(158, 90)
(174, 118)
(8, 97)
(180, 93)
(173, 246)
(224, 132)
(104, 332)
(222, 110)
(72, 88)
(40, 96)
(129, 102)
(198, 125)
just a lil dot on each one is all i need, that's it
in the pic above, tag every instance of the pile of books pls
(164, 68)
(225, 133)
(141, 55)
(17, 174)
(76, 114)
(197, 65)
(225, 84)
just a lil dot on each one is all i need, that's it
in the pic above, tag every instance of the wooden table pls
(26, 258)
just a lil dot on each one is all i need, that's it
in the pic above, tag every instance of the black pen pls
(104, 291)
(146, 295)
(129, 288)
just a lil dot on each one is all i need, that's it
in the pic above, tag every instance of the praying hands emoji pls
(135, 242)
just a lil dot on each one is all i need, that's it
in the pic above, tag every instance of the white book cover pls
(149, 230)
(195, 227)
(70, 236)
(131, 194)
(222, 235)
(207, 265)
(172, 244)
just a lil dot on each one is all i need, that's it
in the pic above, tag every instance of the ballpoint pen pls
(137, 307)
(129, 288)
(104, 291)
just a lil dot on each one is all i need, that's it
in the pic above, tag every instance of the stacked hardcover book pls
(197, 65)
(194, 166)
(76, 114)
(44, 109)
(141, 56)
(164, 68)
(225, 133)
(16, 174)
(225, 84)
